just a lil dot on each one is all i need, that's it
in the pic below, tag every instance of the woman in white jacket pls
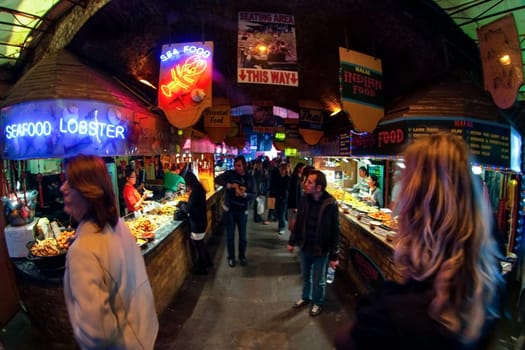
(107, 291)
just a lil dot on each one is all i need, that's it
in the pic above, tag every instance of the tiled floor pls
(246, 308)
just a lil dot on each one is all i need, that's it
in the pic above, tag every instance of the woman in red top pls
(132, 197)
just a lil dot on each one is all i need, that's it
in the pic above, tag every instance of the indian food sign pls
(361, 88)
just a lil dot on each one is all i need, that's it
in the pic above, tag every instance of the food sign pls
(185, 82)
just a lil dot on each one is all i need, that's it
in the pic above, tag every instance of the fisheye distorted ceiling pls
(417, 41)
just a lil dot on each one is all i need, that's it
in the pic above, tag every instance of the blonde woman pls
(445, 252)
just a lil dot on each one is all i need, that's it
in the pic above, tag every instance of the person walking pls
(273, 187)
(107, 293)
(446, 255)
(259, 178)
(281, 198)
(240, 190)
(294, 193)
(316, 232)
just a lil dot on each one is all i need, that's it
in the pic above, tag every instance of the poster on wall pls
(61, 128)
(185, 81)
(361, 88)
(266, 49)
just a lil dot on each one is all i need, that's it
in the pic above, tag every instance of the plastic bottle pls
(330, 275)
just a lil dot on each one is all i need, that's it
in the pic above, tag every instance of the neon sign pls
(58, 128)
(187, 49)
(184, 76)
(185, 81)
(72, 126)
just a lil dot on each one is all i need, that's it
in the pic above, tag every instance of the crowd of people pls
(447, 299)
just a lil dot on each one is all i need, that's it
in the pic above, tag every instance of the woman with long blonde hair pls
(445, 253)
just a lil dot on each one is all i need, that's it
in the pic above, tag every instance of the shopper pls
(133, 199)
(294, 193)
(107, 293)
(445, 253)
(259, 177)
(240, 190)
(273, 187)
(281, 197)
(198, 223)
(316, 232)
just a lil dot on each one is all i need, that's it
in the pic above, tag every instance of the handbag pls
(260, 205)
(271, 203)
(180, 215)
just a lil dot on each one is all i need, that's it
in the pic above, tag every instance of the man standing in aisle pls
(316, 231)
(240, 190)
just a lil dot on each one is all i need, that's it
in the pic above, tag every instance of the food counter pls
(371, 231)
(167, 260)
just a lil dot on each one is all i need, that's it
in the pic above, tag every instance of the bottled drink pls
(330, 275)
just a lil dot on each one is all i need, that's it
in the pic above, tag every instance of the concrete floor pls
(246, 308)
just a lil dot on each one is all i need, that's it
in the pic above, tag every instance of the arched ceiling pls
(416, 40)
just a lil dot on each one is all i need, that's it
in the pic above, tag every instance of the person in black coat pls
(198, 223)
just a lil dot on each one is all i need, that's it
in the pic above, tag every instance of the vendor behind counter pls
(173, 182)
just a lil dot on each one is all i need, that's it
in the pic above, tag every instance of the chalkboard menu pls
(489, 142)
(344, 144)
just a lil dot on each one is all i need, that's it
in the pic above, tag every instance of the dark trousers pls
(236, 217)
(200, 255)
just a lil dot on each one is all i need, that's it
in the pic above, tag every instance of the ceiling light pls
(476, 170)
(336, 110)
(504, 59)
(145, 82)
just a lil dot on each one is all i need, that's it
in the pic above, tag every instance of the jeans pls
(314, 277)
(236, 217)
(280, 212)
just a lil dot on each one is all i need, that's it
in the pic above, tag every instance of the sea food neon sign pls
(71, 126)
(184, 75)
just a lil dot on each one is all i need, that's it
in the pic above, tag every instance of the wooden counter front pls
(355, 233)
(167, 259)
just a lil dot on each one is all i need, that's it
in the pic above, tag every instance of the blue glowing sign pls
(60, 128)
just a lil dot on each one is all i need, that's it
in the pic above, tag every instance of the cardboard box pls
(17, 237)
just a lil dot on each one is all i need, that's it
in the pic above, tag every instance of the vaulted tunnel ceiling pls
(416, 40)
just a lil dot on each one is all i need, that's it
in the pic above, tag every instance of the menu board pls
(344, 144)
(489, 142)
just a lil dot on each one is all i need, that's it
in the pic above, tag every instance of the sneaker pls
(300, 303)
(316, 310)
(231, 263)
(281, 232)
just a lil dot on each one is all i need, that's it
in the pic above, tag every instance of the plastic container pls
(330, 275)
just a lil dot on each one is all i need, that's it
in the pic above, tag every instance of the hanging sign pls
(217, 122)
(185, 81)
(500, 52)
(490, 143)
(266, 49)
(361, 88)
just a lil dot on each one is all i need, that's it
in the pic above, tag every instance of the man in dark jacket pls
(240, 190)
(316, 231)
